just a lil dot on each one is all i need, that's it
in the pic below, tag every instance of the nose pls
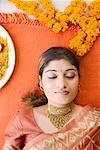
(62, 84)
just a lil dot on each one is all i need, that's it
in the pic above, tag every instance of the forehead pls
(61, 64)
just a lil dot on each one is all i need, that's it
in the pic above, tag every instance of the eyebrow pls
(65, 70)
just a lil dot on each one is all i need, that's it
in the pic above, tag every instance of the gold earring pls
(41, 88)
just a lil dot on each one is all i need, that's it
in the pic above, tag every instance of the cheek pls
(74, 89)
(49, 88)
(48, 91)
(74, 84)
(47, 85)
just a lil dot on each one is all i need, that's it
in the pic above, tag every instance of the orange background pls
(30, 41)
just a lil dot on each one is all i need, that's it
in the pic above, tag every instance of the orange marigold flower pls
(56, 27)
(77, 13)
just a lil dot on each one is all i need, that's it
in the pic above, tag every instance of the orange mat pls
(30, 40)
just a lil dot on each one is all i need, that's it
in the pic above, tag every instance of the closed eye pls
(70, 77)
(52, 77)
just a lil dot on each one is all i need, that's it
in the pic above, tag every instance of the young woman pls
(53, 121)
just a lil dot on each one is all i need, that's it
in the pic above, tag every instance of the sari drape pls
(82, 133)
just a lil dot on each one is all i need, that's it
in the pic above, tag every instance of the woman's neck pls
(60, 109)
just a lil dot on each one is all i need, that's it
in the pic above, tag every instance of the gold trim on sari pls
(82, 133)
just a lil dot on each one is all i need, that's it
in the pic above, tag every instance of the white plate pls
(11, 62)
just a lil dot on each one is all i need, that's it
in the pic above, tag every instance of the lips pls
(63, 92)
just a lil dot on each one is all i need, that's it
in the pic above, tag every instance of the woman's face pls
(60, 82)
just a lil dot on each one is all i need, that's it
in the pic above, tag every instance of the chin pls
(63, 102)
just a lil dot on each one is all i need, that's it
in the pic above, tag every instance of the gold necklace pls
(59, 116)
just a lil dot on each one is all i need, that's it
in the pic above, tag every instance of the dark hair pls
(53, 53)
(56, 53)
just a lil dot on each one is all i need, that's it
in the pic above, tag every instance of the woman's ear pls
(40, 82)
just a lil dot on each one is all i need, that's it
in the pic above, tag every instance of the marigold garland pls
(3, 57)
(86, 16)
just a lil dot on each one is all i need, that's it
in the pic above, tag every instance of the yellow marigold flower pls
(42, 18)
(94, 9)
(37, 12)
(68, 10)
(81, 50)
(56, 27)
(77, 13)
(52, 13)
(61, 17)
(58, 15)
(47, 5)
(51, 23)
(64, 26)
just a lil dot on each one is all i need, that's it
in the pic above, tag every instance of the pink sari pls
(82, 133)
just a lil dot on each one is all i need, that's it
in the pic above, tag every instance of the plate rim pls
(11, 62)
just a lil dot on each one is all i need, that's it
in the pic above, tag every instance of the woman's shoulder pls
(26, 112)
(90, 107)
(24, 108)
(95, 113)
(23, 113)
(93, 109)
(19, 119)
